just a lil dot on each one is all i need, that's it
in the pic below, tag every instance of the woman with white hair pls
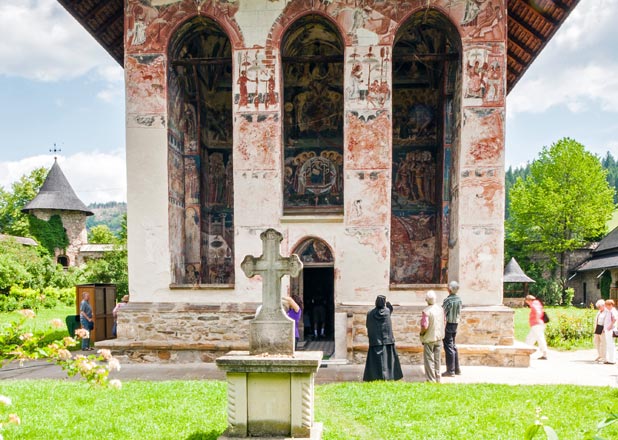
(599, 332)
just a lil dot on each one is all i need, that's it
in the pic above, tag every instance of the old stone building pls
(369, 133)
(56, 197)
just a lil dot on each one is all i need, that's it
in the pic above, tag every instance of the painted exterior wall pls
(360, 238)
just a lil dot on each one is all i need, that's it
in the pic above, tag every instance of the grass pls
(556, 313)
(196, 410)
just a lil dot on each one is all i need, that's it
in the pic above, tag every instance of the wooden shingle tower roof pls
(56, 194)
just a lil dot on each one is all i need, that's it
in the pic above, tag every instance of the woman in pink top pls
(537, 325)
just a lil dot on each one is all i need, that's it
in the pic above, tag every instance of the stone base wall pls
(180, 332)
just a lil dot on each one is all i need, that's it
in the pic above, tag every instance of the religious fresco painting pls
(200, 164)
(312, 55)
(484, 75)
(368, 78)
(257, 84)
(425, 68)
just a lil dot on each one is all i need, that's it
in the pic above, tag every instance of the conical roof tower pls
(514, 274)
(57, 194)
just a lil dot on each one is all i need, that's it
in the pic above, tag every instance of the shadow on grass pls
(212, 435)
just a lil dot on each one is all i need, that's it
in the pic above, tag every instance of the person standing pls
(432, 333)
(295, 312)
(86, 320)
(123, 302)
(609, 325)
(599, 332)
(382, 360)
(537, 325)
(452, 311)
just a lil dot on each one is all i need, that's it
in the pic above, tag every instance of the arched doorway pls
(316, 287)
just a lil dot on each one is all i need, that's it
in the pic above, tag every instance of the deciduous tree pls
(563, 203)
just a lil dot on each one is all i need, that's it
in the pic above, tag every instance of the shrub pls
(565, 331)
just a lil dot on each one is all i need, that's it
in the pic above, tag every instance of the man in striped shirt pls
(452, 312)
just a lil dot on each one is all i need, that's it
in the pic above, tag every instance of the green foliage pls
(49, 233)
(112, 268)
(12, 220)
(26, 298)
(108, 214)
(567, 332)
(101, 234)
(563, 203)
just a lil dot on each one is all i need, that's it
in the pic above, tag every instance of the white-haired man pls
(452, 312)
(432, 333)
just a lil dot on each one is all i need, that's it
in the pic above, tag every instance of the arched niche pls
(201, 192)
(312, 63)
(426, 89)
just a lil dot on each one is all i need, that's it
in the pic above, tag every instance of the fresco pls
(200, 164)
(313, 117)
(257, 85)
(484, 75)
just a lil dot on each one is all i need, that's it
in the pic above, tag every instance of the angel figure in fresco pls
(494, 80)
(354, 90)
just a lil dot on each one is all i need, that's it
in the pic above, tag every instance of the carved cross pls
(271, 266)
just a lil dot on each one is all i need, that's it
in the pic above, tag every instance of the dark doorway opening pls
(319, 302)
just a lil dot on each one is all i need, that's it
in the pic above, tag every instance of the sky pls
(60, 89)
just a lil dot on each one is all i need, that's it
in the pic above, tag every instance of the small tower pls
(57, 197)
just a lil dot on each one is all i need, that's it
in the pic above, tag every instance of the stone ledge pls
(243, 362)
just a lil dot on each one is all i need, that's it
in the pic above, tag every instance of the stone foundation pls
(180, 332)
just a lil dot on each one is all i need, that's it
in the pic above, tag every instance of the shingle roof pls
(599, 263)
(56, 193)
(514, 274)
(531, 24)
(608, 243)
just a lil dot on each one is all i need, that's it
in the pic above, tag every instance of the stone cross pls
(271, 331)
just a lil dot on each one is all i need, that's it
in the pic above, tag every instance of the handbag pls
(545, 317)
(615, 332)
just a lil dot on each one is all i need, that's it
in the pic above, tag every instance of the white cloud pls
(94, 176)
(40, 41)
(588, 24)
(577, 88)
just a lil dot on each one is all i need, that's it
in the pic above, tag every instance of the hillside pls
(109, 214)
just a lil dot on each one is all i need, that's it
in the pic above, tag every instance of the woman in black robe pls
(382, 360)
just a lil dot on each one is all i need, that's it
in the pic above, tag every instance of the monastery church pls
(370, 133)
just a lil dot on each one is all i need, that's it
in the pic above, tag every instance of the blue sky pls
(58, 86)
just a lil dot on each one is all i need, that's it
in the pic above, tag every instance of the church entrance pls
(316, 288)
(319, 300)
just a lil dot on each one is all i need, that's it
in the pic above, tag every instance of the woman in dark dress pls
(382, 360)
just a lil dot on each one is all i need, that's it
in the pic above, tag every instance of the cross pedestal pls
(270, 388)
(271, 331)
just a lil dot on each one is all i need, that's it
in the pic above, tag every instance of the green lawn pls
(393, 410)
(42, 322)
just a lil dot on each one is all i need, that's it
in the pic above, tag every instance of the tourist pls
(452, 312)
(319, 317)
(382, 361)
(86, 320)
(599, 332)
(123, 302)
(295, 312)
(537, 325)
(609, 325)
(432, 333)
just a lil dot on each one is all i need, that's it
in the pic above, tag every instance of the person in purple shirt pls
(295, 312)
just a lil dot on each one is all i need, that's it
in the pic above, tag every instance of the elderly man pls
(432, 333)
(452, 312)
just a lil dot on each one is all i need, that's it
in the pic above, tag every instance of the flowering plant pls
(18, 344)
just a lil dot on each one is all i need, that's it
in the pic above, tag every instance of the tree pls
(563, 203)
(101, 234)
(12, 220)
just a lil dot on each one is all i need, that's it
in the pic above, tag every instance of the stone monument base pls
(271, 396)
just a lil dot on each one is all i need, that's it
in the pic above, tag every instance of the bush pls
(567, 332)
(20, 298)
(548, 291)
